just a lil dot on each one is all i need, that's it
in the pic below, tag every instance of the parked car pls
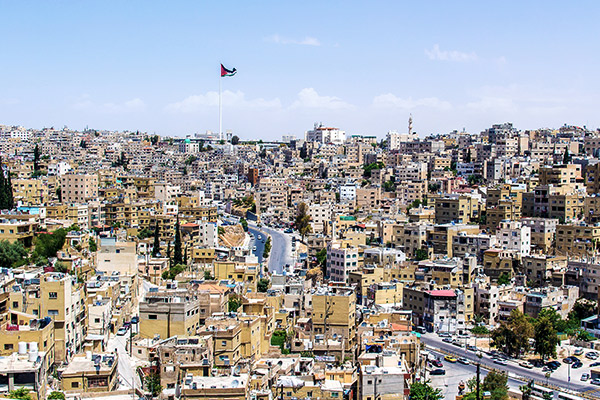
(553, 365)
(526, 364)
(450, 359)
(595, 381)
(436, 363)
(289, 230)
(444, 334)
(577, 364)
(578, 351)
(122, 331)
(438, 371)
(592, 355)
(499, 361)
(447, 340)
(585, 377)
(463, 360)
(595, 364)
(472, 347)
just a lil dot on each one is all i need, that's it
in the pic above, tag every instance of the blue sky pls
(360, 66)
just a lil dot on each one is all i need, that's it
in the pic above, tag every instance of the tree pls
(513, 336)
(267, 248)
(244, 224)
(235, 140)
(177, 254)
(208, 276)
(20, 394)
(424, 391)
(153, 384)
(6, 191)
(434, 187)
(545, 336)
(262, 285)
(156, 247)
(36, 158)
(303, 220)
(468, 156)
(54, 395)
(322, 256)
(92, 245)
(421, 254)
(496, 383)
(233, 304)
(48, 244)
(566, 156)
(504, 278)
(11, 253)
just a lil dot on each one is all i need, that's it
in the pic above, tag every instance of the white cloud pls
(85, 103)
(449, 55)
(309, 98)
(390, 100)
(307, 41)
(211, 99)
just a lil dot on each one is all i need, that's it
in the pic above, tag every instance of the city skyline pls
(364, 69)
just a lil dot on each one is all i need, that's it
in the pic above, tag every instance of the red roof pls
(189, 225)
(442, 293)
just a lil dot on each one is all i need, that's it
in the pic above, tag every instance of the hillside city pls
(320, 266)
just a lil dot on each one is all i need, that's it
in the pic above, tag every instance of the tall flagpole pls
(220, 111)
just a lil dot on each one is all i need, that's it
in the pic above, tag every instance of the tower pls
(410, 125)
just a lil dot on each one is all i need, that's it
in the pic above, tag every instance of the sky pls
(363, 67)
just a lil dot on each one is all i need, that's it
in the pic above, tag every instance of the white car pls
(122, 331)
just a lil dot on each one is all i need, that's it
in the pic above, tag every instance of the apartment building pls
(341, 260)
(78, 188)
(334, 314)
(167, 312)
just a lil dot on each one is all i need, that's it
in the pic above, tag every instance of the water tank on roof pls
(33, 346)
(22, 348)
(33, 355)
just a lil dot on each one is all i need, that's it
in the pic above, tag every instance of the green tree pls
(468, 156)
(92, 245)
(267, 248)
(20, 394)
(526, 390)
(566, 156)
(504, 278)
(36, 158)
(54, 395)
(262, 285)
(48, 244)
(244, 224)
(235, 140)
(11, 253)
(61, 267)
(153, 384)
(208, 276)
(480, 330)
(421, 254)
(513, 336)
(496, 383)
(156, 247)
(233, 304)
(303, 220)
(546, 338)
(322, 256)
(424, 391)
(177, 253)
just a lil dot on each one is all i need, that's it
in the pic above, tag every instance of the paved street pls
(558, 378)
(281, 245)
(128, 379)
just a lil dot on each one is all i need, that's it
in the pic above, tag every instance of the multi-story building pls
(169, 312)
(78, 188)
(334, 314)
(341, 260)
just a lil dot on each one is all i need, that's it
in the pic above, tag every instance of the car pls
(592, 355)
(471, 347)
(553, 365)
(122, 331)
(447, 340)
(444, 334)
(464, 361)
(436, 363)
(595, 381)
(259, 237)
(585, 377)
(499, 361)
(126, 324)
(578, 351)
(595, 364)
(526, 364)
(450, 359)
(577, 364)
(568, 360)
(289, 230)
(438, 371)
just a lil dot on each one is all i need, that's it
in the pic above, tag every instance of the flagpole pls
(220, 112)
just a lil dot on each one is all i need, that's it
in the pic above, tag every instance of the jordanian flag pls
(227, 72)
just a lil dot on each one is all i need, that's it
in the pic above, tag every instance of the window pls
(74, 384)
(8, 346)
(53, 295)
(52, 312)
(152, 316)
(15, 304)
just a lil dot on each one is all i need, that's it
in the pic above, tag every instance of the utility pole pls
(478, 371)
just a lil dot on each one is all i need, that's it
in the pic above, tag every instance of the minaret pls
(410, 125)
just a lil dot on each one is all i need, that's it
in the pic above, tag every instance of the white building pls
(340, 261)
(59, 168)
(394, 139)
(512, 235)
(208, 235)
(348, 193)
(320, 215)
(324, 134)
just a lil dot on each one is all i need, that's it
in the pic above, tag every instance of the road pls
(512, 367)
(281, 248)
(126, 369)
(260, 244)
